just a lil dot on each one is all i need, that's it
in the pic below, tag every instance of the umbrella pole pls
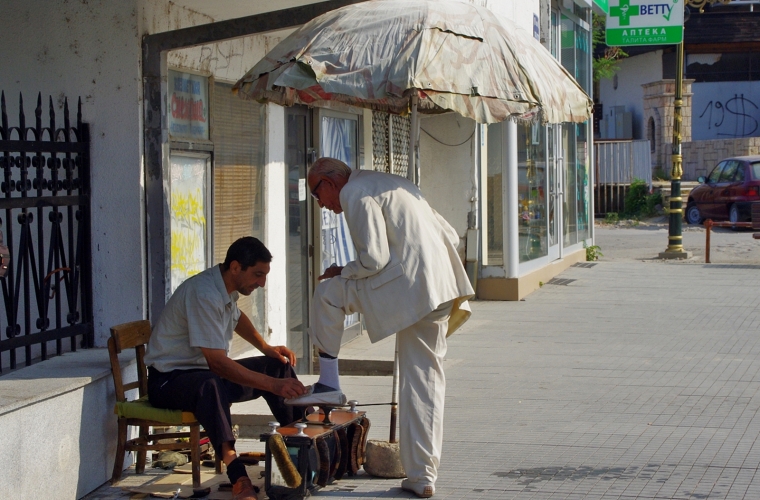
(413, 172)
(394, 397)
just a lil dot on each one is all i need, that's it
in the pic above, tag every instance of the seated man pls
(188, 364)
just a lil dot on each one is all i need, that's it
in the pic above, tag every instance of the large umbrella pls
(434, 56)
(446, 55)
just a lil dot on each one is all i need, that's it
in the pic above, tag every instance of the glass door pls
(554, 172)
(338, 138)
(297, 154)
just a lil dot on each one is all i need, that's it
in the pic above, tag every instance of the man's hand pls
(282, 353)
(287, 387)
(331, 272)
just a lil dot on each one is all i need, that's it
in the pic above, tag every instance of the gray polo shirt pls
(200, 313)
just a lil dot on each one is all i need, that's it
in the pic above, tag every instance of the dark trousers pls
(209, 396)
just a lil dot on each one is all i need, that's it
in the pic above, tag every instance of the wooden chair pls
(141, 413)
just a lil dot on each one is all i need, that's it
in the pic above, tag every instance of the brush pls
(284, 463)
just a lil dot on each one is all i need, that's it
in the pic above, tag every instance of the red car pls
(727, 193)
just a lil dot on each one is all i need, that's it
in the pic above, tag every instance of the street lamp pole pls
(675, 238)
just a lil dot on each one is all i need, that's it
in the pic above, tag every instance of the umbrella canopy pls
(453, 56)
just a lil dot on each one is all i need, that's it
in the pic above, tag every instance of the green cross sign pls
(645, 22)
(624, 11)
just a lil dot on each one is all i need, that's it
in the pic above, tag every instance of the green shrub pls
(639, 202)
(593, 252)
(661, 174)
(635, 198)
(611, 218)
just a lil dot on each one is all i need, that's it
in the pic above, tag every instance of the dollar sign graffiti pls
(737, 106)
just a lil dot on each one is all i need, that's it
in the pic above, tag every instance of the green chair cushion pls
(141, 408)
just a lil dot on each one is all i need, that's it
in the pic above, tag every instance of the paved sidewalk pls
(636, 380)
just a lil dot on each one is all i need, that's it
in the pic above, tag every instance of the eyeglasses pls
(314, 191)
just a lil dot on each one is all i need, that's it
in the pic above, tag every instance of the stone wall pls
(699, 157)
(658, 112)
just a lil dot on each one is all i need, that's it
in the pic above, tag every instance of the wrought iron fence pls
(45, 200)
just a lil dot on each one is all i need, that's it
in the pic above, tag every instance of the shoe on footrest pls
(319, 395)
(422, 490)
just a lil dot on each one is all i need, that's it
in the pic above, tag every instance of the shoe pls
(422, 490)
(243, 489)
(319, 395)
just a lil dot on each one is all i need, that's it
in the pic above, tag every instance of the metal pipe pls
(474, 201)
(411, 173)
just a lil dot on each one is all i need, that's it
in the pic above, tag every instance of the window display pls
(531, 189)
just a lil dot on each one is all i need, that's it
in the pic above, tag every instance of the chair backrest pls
(126, 336)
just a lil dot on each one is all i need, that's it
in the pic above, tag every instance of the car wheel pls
(733, 215)
(692, 214)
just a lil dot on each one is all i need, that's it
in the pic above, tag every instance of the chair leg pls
(217, 462)
(140, 466)
(118, 461)
(195, 454)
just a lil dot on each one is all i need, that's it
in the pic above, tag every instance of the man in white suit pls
(407, 279)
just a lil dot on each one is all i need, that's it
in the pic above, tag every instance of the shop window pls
(531, 191)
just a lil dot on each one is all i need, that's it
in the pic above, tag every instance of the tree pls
(607, 63)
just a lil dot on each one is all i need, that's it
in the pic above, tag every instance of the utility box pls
(619, 124)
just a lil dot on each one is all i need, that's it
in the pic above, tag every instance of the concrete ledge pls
(519, 288)
(52, 378)
(58, 418)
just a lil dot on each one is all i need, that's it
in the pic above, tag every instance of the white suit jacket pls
(407, 261)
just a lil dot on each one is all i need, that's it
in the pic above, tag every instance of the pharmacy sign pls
(645, 22)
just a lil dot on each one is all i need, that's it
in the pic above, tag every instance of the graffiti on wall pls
(725, 110)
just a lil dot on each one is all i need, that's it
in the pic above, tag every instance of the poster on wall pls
(187, 105)
(189, 238)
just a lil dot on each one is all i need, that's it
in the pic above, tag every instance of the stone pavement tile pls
(616, 386)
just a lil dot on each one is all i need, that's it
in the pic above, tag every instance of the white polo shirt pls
(200, 313)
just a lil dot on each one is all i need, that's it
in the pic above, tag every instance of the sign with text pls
(643, 22)
(188, 105)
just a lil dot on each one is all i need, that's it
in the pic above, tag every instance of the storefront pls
(536, 181)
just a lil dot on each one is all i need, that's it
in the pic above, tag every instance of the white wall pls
(519, 12)
(634, 72)
(446, 170)
(90, 50)
(725, 110)
(229, 60)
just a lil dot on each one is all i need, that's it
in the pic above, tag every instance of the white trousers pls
(422, 384)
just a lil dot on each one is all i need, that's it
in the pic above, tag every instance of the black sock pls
(325, 355)
(236, 470)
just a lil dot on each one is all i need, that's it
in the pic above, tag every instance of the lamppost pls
(675, 238)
